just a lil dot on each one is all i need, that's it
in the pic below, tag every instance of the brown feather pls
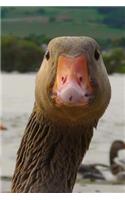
(40, 167)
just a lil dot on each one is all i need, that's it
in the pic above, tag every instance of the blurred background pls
(25, 33)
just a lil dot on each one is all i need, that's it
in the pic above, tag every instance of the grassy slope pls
(23, 21)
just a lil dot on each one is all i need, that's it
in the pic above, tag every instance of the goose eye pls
(96, 54)
(47, 55)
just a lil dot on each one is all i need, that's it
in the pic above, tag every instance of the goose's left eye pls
(96, 54)
(47, 55)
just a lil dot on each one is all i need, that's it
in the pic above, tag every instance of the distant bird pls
(72, 93)
(98, 171)
(91, 171)
(117, 164)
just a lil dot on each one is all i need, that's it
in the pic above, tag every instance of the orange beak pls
(72, 85)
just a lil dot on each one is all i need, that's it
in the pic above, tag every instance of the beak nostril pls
(70, 98)
(63, 79)
(80, 78)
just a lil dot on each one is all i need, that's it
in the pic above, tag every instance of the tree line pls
(26, 54)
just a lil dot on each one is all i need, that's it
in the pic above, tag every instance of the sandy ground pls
(100, 188)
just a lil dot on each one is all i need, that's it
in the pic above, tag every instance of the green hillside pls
(106, 23)
(26, 30)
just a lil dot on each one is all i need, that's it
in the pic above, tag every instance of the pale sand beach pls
(17, 103)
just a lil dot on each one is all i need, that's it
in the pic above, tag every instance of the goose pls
(114, 172)
(72, 92)
(117, 159)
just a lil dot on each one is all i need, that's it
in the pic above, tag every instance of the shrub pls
(114, 60)
(19, 55)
